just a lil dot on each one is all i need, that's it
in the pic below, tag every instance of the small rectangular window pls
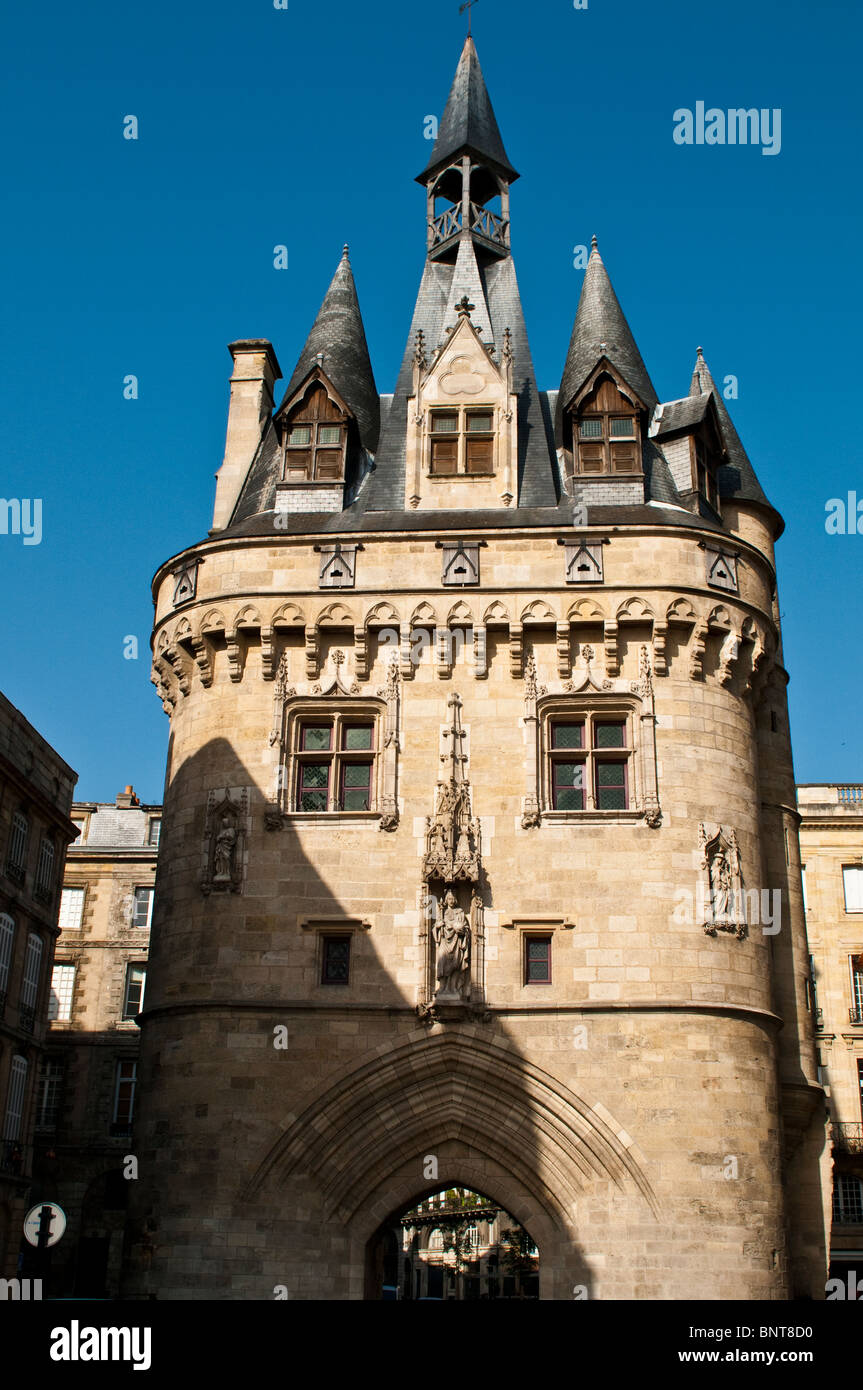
(300, 434)
(444, 423)
(623, 427)
(609, 735)
(62, 988)
(356, 787)
(537, 960)
(852, 878)
(71, 909)
(567, 735)
(316, 738)
(590, 429)
(568, 786)
(155, 832)
(477, 423)
(125, 1086)
(314, 786)
(136, 979)
(50, 1094)
(143, 907)
(611, 786)
(336, 960)
(329, 434)
(357, 736)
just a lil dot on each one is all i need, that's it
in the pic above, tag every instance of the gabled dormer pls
(603, 428)
(689, 433)
(462, 422)
(314, 427)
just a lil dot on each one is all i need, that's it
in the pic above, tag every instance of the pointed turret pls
(468, 123)
(601, 331)
(337, 343)
(737, 477)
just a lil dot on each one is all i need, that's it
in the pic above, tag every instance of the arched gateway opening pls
(451, 1246)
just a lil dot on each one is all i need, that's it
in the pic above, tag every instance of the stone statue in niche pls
(452, 939)
(223, 854)
(721, 894)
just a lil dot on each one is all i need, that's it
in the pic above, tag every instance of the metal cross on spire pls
(468, 5)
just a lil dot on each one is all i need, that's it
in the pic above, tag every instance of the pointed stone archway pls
(489, 1120)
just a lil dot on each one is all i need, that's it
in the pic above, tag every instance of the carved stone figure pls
(452, 939)
(223, 854)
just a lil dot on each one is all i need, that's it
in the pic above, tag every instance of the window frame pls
(149, 889)
(155, 824)
(68, 969)
(589, 714)
(18, 846)
(528, 937)
(327, 937)
(45, 883)
(72, 888)
(299, 416)
(339, 716)
(124, 1126)
(461, 435)
(856, 985)
(605, 441)
(126, 1016)
(856, 869)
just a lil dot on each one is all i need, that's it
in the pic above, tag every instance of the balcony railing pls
(26, 1019)
(848, 1138)
(850, 794)
(855, 1015)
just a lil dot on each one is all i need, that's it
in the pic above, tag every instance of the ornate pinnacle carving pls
(644, 685)
(506, 355)
(420, 355)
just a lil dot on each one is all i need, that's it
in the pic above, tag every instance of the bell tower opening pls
(454, 1244)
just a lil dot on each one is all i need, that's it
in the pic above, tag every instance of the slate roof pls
(497, 307)
(468, 122)
(601, 330)
(682, 415)
(737, 477)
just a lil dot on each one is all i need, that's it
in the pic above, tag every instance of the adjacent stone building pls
(479, 781)
(831, 842)
(36, 788)
(89, 1075)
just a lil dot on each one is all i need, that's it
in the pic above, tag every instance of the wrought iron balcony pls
(848, 1138)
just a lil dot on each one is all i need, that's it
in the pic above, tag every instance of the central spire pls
(469, 174)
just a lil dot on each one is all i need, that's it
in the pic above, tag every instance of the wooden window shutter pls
(479, 455)
(444, 459)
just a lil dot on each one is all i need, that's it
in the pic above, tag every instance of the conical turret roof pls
(737, 477)
(468, 121)
(601, 330)
(338, 342)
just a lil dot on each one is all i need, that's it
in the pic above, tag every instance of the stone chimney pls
(256, 370)
(127, 799)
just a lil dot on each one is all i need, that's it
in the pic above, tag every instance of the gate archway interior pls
(452, 1244)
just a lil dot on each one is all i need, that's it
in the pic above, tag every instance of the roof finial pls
(700, 353)
(464, 307)
(345, 252)
(468, 5)
(594, 244)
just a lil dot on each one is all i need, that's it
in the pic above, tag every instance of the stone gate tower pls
(479, 863)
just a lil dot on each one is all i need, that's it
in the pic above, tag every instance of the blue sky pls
(304, 126)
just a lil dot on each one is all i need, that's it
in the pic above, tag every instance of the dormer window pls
(314, 440)
(461, 442)
(608, 432)
(706, 476)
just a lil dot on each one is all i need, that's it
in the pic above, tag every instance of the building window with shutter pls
(11, 1153)
(62, 989)
(71, 909)
(133, 997)
(44, 886)
(30, 982)
(314, 439)
(607, 436)
(16, 857)
(7, 940)
(461, 442)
